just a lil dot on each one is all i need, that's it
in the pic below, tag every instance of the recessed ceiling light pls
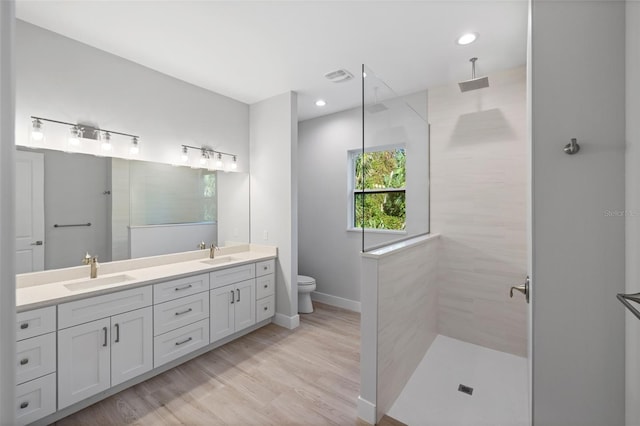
(321, 102)
(467, 38)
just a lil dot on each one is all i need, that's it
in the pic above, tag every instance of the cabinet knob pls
(24, 405)
(24, 361)
(266, 285)
(24, 325)
(266, 308)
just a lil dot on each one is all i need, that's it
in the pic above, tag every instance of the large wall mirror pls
(69, 204)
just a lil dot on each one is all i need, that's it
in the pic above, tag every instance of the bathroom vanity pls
(80, 340)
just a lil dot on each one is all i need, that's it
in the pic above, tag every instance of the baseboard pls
(286, 321)
(366, 411)
(339, 302)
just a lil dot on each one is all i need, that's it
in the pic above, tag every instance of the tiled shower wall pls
(479, 184)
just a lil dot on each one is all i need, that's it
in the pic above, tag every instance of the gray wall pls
(578, 251)
(74, 188)
(7, 219)
(633, 208)
(327, 250)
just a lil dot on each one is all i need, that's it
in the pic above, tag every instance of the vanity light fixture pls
(467, 38)
(206, 154)
(75, 135)
(135, 148)
(106, 141)
(36, 129)
(81, 131)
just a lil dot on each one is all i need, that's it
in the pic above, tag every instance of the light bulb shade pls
(204, 158)
(135, 148)
(185, 155)
(106, 141)
(219, 162)
(36, 130)
(234, 164)
(75, 135)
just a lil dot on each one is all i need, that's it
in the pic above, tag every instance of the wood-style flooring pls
(273, 376)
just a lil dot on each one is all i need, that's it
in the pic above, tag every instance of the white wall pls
(274, 203)
(632, 218)
(7, 216)
(328, 252)
(233, 208)
(578, 251)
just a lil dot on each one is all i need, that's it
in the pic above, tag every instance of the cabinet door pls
(245, 304)
(131, 345)
(222, 314)
(83, 361)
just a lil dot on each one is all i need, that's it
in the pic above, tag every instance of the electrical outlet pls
(265, 235)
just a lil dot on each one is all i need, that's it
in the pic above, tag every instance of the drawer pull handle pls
(117, 333)
(24, 361)
(266, 308)
(184, 287)
(265, 267)
(232, 297)
(238, 290)
(184, 312)
(105, 336)
(24, 325)
(184, 341)
(24, 405)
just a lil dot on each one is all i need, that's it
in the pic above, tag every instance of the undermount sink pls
(97, 282)
(221, 260)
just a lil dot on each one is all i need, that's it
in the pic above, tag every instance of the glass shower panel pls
(391, 171)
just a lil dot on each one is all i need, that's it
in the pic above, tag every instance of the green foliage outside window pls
(379, 194)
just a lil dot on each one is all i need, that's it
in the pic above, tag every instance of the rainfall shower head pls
(474, 83)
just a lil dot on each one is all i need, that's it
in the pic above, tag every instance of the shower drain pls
(465, 389)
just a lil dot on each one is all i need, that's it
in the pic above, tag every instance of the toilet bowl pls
(305, 286)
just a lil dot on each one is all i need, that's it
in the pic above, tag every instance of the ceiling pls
(252, 50)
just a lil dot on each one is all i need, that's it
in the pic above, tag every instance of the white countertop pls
(39, 289)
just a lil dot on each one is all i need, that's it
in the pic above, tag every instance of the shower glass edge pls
(391, 197)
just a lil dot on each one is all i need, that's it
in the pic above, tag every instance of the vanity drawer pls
(265, 308)
(179, 288)
(265, 267)
(36, 322)
(265, 286)
(176, 343)
(36, 357)
(35, 399)
(180, 312)
(232, 275)
(93, 308)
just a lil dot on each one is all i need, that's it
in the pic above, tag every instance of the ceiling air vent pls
(338, 76)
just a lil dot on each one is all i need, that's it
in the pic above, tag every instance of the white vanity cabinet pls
(95, 355)
(232, 308)
(35, 364)
(265, 290)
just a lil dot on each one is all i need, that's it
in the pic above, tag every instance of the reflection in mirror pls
(119, 209)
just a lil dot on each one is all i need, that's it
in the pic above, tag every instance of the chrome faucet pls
(93, 261)
(202, 245)
(212, 250)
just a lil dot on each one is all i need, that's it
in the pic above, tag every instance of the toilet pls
(305, 286)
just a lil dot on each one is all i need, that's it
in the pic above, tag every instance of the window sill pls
(378, 231)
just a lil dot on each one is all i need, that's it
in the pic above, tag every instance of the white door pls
(222, 313)
(83, 361)
(29, 212)
(245, 304)
(131, 344)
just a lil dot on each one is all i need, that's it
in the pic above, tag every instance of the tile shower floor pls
(431, 397)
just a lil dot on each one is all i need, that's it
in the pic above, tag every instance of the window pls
(377, 186)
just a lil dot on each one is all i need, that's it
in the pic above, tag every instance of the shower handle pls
(523, 288)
